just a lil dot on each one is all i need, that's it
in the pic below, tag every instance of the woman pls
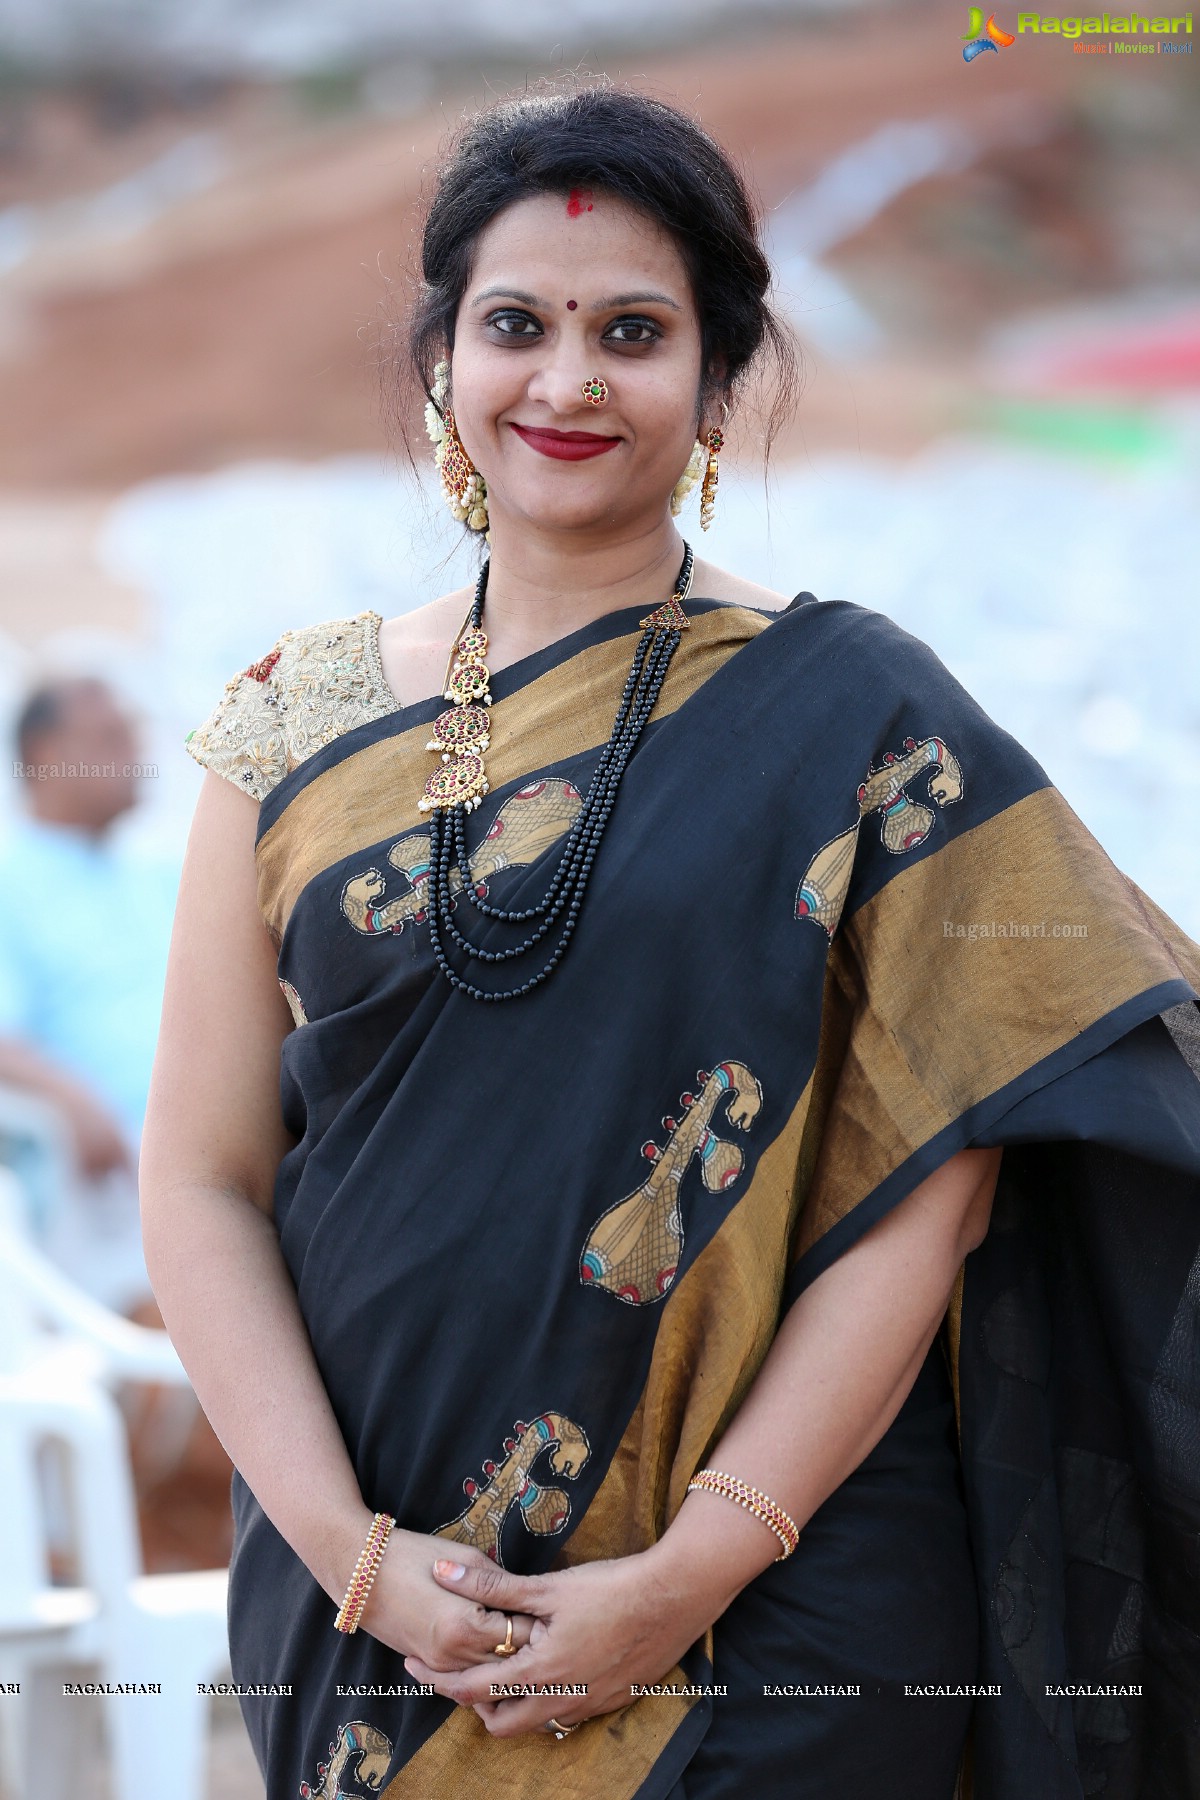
(774, 1157)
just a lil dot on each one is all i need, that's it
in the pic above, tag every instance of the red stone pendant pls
(461, 728)
(468, 681)
(670, 616)
(459, 782)
(472, 645)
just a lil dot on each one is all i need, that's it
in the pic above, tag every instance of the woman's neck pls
(541, 587)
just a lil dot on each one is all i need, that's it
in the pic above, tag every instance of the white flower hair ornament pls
(464, 487)
(689, 478)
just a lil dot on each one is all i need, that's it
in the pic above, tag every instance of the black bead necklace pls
(458, 787)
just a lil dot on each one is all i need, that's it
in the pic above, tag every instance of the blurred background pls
(208, 221)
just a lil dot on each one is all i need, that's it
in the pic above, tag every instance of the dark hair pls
(48, 706)
(644, 152)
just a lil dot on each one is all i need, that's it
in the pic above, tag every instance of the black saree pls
(841, 925)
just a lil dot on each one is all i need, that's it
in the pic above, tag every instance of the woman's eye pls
(633, 331)
(515, 324)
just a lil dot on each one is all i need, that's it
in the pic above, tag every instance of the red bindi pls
(579, 201)
(571, 305)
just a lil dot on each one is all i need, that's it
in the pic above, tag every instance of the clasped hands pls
(609, 1624)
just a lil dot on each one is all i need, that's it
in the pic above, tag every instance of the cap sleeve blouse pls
(310, 687)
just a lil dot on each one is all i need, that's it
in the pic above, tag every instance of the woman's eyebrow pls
(507, 293)
(634, 300)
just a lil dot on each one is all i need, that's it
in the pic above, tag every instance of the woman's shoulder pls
(874, 684)
(856, 648)
(310, 686)
(855, 637)
(715, 583)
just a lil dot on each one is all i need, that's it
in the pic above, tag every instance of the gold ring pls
(507, 1648)
(561, 1731)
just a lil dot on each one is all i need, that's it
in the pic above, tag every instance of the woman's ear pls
(717, 413)
(716, 399)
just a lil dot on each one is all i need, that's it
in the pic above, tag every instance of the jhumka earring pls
(462, 484)
(708, 487)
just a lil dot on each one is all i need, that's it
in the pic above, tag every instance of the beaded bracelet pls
(755, 1501)
(369, 1559)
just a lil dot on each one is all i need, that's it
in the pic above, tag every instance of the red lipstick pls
(566, 446)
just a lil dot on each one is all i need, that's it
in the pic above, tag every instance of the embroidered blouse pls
(314, 684)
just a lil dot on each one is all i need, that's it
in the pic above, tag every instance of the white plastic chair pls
(59, 1351)
(88, 1228)
(49, 1314)
(49, 1320)
(34, 1143)
(116, 1625)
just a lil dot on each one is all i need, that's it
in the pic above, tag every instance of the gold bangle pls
(369, 1559)
(755, 1501)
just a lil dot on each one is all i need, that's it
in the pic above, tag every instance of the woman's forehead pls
(557, 234)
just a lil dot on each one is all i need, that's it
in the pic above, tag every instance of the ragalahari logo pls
(984, 37)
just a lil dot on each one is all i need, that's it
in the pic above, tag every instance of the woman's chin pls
(600, 509)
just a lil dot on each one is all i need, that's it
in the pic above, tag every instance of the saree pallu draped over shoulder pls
(840, 926)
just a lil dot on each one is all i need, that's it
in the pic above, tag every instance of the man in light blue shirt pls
(85, 922)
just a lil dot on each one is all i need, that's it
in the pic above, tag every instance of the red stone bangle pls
(369, 1559)
(755, 1501)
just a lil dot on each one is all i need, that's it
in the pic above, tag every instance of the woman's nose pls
(557, 382)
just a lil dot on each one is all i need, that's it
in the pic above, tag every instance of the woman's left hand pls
(608, 1624)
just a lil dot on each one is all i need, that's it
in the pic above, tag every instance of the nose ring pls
(595, 391)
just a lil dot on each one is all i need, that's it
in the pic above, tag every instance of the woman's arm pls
(838, 1372)
(211, 1147)
(842, 1364)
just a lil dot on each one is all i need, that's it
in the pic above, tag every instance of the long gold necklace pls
(462, 734)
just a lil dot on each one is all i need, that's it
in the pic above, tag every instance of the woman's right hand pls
(407, 1609)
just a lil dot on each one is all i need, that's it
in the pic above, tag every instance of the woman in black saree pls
(839, 1132)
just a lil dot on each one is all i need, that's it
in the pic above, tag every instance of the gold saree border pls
(919, 1061)
(918, 1068)
(372, 793)
(609, 1756)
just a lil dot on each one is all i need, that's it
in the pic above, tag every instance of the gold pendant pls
(462, 732)
(460, 728)
(670, 616)
(460, 781)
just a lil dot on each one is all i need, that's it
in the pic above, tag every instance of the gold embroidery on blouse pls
(314, 685)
